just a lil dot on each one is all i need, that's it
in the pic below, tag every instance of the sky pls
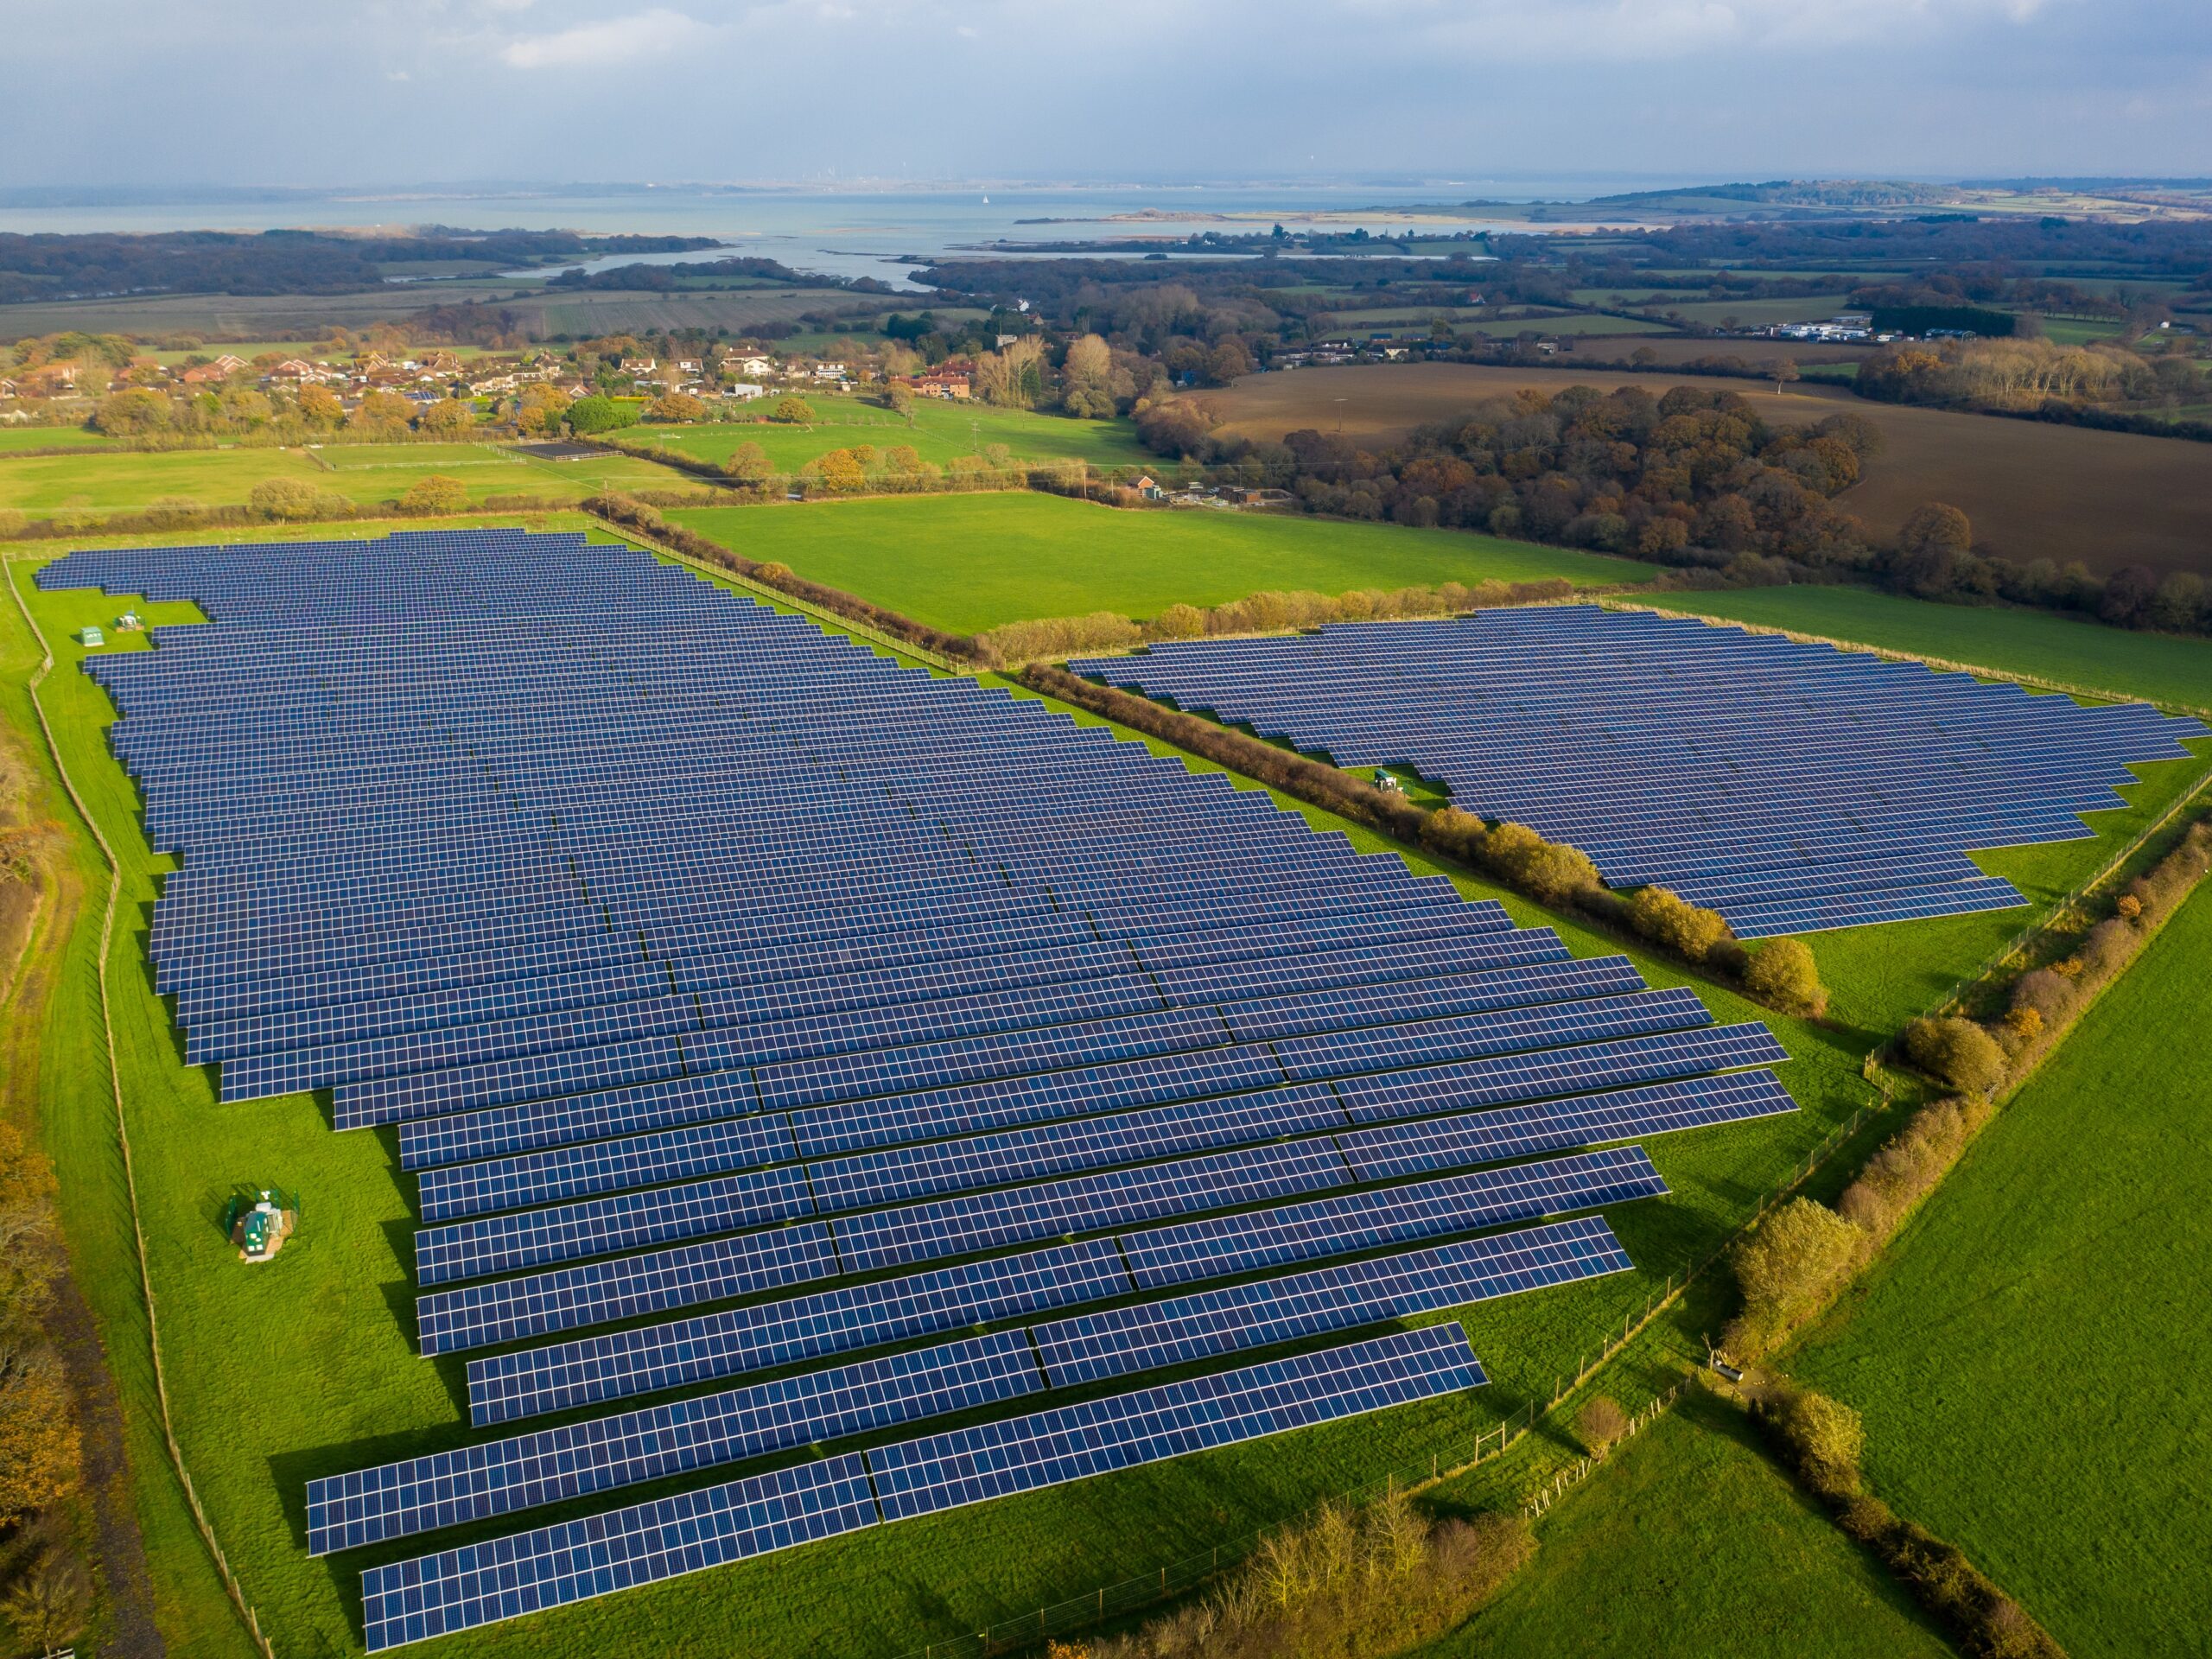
(346, 92)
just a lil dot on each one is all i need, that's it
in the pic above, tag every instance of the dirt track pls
(2032, 491)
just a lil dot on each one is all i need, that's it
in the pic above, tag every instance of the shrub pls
(792, 411)
(1177, 622)
(1600, 1425)
(600, 414)
(1782, 974)
(1908, 1166)
(2129, 907)
(1793, 1262)
(1956, 1052)
(1824, 1437)
(1691, 932)
(1377, 1580)
(286, 500)
(435, 493)
(174, 512)
(676, 408)
(1551, 873)
(49, 1604)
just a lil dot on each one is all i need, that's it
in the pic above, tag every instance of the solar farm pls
(1792, 786)
(787, 1048)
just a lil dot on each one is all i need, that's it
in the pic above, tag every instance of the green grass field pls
(306, 1367)
(939, 431)
(2166, 668)
(365, 474)
(963, 563)
(1691, 1544)
(16, 439)
(2031, 1356)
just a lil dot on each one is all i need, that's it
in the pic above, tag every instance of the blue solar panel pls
(553, 1465)
(1093, 1347)
(713, 1345)
(506, 1578)
(703, 958)
(970, 1466)
(1659, 744)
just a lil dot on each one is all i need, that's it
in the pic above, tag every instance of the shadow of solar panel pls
(554, 1466)
(713, 1345)
(506, 1578)
(1225, 1245)
(1066, 1443)
(1092, 1347)
(597, 1293)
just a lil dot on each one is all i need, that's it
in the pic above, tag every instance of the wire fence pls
(828, 619)
(246, 1612)
(1175, 1579)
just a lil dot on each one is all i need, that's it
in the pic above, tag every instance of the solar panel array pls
(1794, 787)
(829, 1046)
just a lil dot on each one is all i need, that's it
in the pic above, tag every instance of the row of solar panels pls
(480, 1584)
(708, 963)
(1672, 752)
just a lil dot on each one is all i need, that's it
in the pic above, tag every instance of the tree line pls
(46, 266)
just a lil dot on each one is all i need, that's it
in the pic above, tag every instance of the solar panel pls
(724, 992)
(1206, 1323)
(553, 1465)
(970, 1466)
(506, 1578)
(1658, 745)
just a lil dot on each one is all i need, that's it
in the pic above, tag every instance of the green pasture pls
(16, 439)
(123, 481)
(938, 431)
(1691, 1543)
(1760, 314)
(1573, 322)
(306, 1367)
(2079, 331)
(2031, 1355)
(966, 562)
(2162, 668)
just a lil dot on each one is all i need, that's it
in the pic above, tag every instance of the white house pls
(748, 364)
(744, 391)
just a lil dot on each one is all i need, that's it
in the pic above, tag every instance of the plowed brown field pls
(2032, 491)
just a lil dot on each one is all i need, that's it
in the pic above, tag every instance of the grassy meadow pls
(367, 475)
(330, 1317)
(2030, 1356)
(965, 563)
(1690, 1543)
(938, 432)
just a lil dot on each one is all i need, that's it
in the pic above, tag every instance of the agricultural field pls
(15, 439)
(1690, 1542)
(2030, 1357)
(967, 563)
(939, 432)
(1578, 324)
(357, 1390)
(365, 473)
(2032, 491)
(1758, 314)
